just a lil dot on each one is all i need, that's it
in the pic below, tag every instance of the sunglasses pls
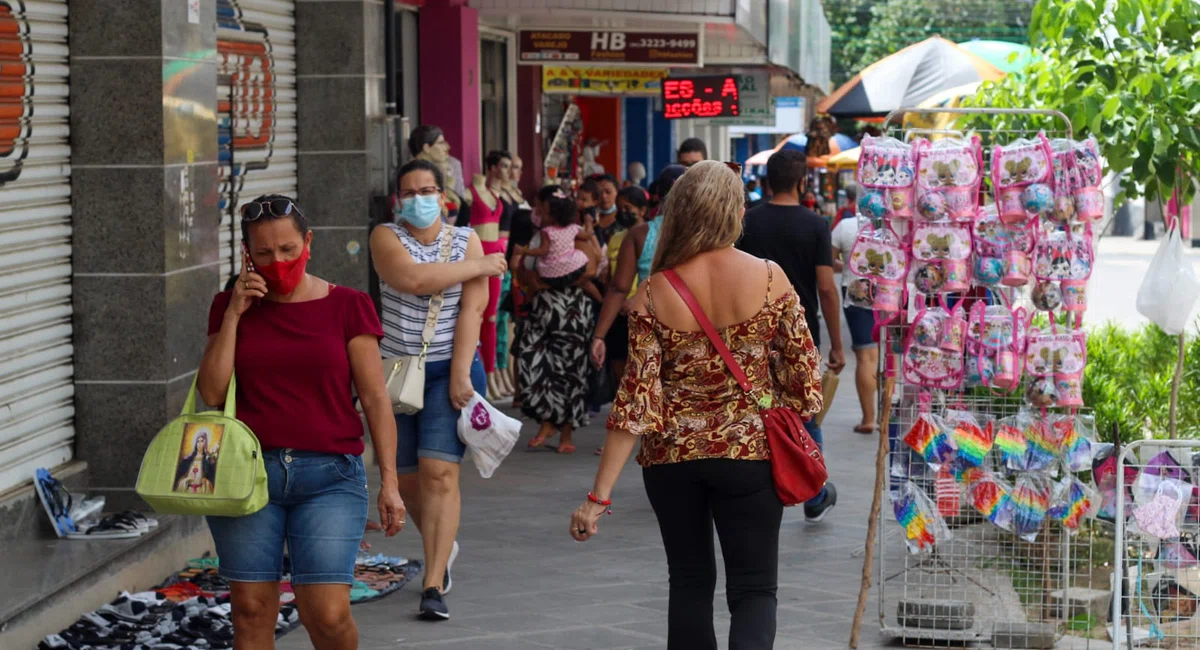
(274, 207)
(736, 167)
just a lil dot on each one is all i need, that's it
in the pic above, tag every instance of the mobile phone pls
(249, 260)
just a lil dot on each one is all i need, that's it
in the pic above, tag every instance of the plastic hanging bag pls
(1078, 434)
(1160, 516)
(1010, 440)
(1170, 290)
(1073, 500)
(923, 526)
(990, 496)
(1031, 502)
(930, 437)
(488, 434)
(972, 440)
(1045, 443)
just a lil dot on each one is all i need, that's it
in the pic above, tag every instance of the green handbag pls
(204, 464)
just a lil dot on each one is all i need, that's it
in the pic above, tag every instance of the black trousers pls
(740, 497)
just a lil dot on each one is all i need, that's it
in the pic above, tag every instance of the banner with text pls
(610, 47)
(755, 105)
(565, 80)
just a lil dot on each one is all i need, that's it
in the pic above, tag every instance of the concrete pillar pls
(450, 78)
(342, 152)
(144, 203)
(529, 139)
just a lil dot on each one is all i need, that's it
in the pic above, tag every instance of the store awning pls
(908, 78)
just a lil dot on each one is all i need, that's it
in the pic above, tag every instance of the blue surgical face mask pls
(420, 211)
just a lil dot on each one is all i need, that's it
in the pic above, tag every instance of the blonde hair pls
(702, 213)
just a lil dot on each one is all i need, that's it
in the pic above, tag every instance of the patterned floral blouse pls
(678, 394)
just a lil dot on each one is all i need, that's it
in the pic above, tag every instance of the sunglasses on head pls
(736, 167)
(275, 207)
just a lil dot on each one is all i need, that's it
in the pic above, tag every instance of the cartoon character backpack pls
(941, 257)
(933, 350)
(948, 178)
(1023, 178)
(996, 336)
(879, 262)
(1064, 257)
(1001, 252)
(886, 174)
(1077, 175)
(1056, 361)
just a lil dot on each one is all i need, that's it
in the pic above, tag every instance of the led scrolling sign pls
(700, 97)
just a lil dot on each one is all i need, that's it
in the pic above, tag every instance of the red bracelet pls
(606, 503)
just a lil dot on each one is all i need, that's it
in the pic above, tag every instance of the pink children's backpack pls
(949, 173)
(1065, 257)
(886, 174)
(1056, 361)
(941, 257)
(1002, 252)
(996, 337)
(933, 350)
(879, 262)
(1023, 178)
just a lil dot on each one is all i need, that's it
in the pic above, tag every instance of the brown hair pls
(702, 213)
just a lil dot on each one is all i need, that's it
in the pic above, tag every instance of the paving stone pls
(520, 582)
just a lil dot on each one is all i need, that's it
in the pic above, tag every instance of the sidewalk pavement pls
(521, 582)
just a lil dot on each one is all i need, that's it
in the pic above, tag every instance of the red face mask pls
(282, 278)
(810, 203)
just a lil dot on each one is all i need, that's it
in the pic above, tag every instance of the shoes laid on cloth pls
(447, 583)
(433, 606)
(817, 513)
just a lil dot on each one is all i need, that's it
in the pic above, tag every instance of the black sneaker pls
(817, 513)
(433, 606)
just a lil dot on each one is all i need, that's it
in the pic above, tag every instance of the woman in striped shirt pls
(407, 256)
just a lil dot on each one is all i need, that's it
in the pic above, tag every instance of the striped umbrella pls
(908, 78)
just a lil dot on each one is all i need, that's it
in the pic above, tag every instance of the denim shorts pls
(318, 506)
(862, 327)
(433, 431)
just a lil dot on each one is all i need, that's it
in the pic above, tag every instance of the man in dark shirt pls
(798, 240)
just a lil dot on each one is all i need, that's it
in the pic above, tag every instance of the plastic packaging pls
(930, 437)
(1170, 290)
(1010, 440)
(923, 526)
(990, 496)
(1072, 501)
(972, 440)
(1031, 502)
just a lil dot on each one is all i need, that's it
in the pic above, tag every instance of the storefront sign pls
(701, 97)
(755, 106)
(561, 79)
(610, 47)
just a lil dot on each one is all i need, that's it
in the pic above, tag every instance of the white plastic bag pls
(1170, 289)
(488, 434)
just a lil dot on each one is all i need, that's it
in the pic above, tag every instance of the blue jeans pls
(318, 506)
(433, 431)
(814, 430)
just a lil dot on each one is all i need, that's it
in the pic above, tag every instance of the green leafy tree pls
(896, 24)
(849, 27)
(1124, 71)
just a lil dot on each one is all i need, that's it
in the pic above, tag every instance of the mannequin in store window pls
(491, 216)
(427, 142)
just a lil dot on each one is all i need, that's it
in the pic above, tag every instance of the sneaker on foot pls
(447, 583)
(817, 513)
(433, 606)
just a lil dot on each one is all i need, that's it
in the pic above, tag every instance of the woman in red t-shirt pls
(299, 345)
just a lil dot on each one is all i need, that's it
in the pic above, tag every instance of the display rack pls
(1157, 598)
(984, 585)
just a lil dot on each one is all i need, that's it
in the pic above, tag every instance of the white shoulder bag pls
(405, 376)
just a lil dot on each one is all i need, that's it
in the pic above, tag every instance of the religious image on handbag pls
(196, 469)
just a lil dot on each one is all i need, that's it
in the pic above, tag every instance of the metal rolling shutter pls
(256, 98)
(36, 393)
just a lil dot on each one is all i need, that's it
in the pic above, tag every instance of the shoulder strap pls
(690, 300)
(436, 300)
